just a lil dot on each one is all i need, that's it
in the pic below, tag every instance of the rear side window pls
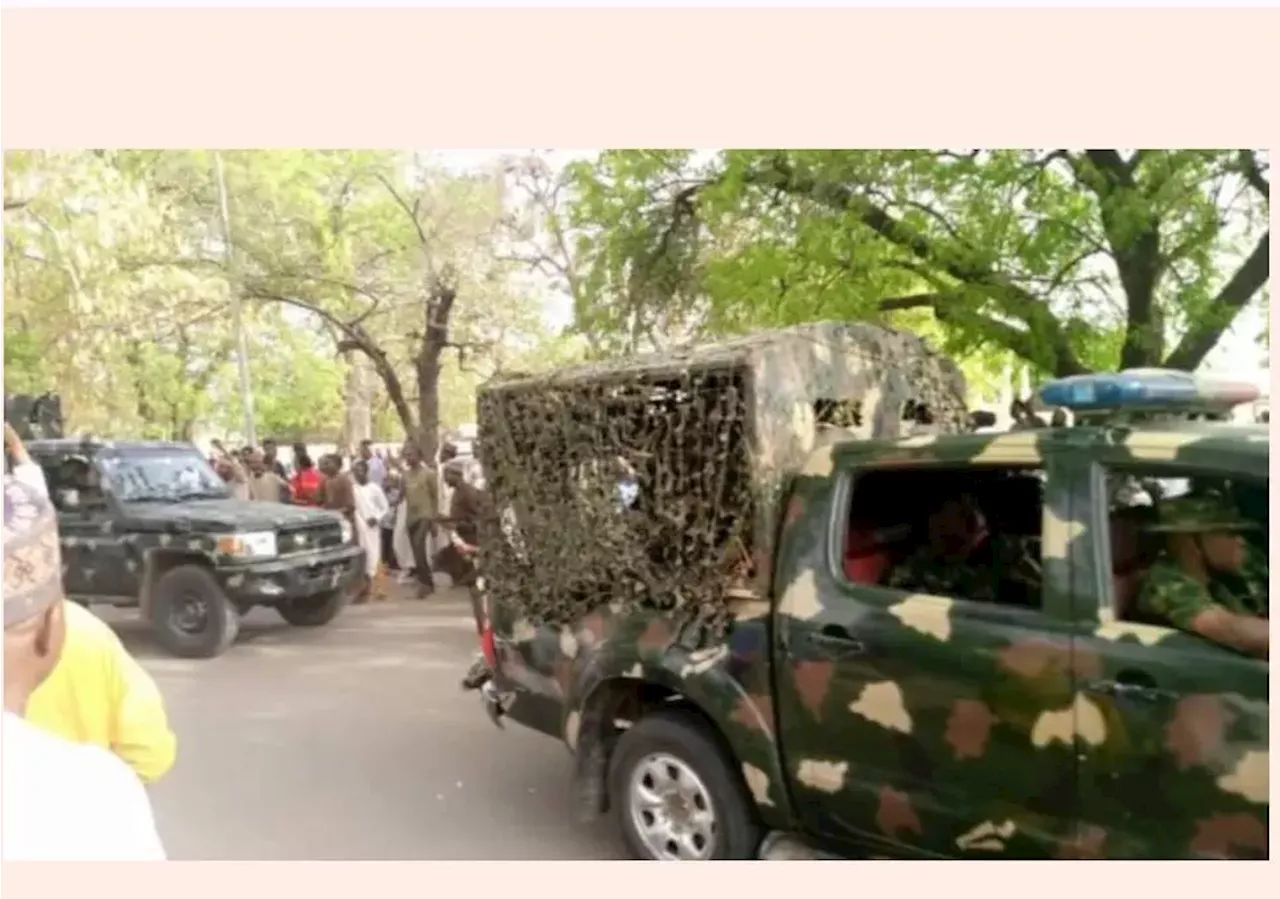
(971, 533)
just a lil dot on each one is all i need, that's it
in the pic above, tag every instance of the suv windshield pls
(162, 475)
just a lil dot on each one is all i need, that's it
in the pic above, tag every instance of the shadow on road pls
(355, 741)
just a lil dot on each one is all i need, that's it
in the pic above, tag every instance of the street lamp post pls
(237, 311)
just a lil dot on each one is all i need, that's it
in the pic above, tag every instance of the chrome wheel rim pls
(671, 809)
(189, 614)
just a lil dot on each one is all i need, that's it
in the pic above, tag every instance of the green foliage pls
(297, 388)
(1067, 260)
(118, 285)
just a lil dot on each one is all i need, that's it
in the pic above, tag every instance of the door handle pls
(836, 641)
(1130, 690)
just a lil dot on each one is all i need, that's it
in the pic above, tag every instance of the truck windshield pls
(162, 475)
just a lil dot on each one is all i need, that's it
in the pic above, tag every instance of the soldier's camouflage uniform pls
(975, 578)
(1170, 594)
(923, 572)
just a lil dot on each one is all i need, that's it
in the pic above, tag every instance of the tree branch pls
(1016, 301)
(359, 339)
(1019, 342)
(1136, 251)
(1204, 334)
(411, 211)
(1112, 165)
(1249, 169)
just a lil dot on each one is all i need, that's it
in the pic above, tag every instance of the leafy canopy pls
(1066, 260)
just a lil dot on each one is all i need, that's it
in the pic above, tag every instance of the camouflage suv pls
(944, 645)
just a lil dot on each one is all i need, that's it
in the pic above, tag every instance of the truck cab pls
(955, 653)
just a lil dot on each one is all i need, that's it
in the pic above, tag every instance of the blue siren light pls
(1148, 389)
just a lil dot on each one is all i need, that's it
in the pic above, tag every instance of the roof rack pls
(1146, 394)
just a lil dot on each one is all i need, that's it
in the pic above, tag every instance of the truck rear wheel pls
(677, 797)
(313, 611)
(191, 616)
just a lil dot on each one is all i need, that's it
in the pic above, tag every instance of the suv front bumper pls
(294, 577)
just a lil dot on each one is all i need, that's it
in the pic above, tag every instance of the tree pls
(118, 285)
(1069, 260)
(390, 251)
(103, 303)
(396, 263)
(109, 339)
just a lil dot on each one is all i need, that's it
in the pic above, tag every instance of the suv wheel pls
(313, 611)
(677, 797)
(191, 615)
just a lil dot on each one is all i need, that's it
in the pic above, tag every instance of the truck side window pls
(1172, 534)
(970, 533)
(74, 483)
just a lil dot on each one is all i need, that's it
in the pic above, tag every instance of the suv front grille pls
(312, 537)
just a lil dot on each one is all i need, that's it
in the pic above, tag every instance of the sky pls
(1237, 354)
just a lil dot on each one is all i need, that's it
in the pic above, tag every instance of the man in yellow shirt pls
(98, 694)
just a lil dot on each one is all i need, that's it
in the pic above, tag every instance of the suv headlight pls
(348, 533)
(249, 545)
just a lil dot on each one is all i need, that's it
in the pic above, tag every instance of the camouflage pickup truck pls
(770, 618)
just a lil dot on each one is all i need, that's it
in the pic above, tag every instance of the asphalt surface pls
(355, 741)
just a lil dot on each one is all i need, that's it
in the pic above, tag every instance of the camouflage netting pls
(709, 435)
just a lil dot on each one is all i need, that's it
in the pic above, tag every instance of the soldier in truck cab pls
(963, 557)
(1210, 582)
(944, 563)
(78, 484)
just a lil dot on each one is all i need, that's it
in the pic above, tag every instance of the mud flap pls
(493, 704)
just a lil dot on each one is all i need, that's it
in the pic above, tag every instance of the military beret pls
(1191, 514)
(32, 558)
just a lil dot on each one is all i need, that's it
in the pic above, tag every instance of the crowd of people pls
(404, 520)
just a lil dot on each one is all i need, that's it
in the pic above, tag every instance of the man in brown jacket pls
(338, 492)
(467, 507)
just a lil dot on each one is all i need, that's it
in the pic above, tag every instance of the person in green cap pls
(1209, 582)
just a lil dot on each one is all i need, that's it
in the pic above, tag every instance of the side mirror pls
(68, 500)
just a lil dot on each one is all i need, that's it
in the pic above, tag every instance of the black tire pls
(186, 634)
(313, 611)
(684, 735)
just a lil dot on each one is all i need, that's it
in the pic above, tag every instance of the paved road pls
(355, 742)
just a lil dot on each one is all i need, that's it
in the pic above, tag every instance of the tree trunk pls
(355, 337)
(133, 355)
(435, 339)
(357, 424)
(391, 381)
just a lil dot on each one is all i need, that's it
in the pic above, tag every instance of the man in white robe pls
(371, 506)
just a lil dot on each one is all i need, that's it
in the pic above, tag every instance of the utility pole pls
(237, 311)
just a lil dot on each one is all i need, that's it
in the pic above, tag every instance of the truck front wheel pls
(676, 795)
(192, 617)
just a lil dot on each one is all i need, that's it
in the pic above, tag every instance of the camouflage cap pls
(32, 558)
(1191, 514)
